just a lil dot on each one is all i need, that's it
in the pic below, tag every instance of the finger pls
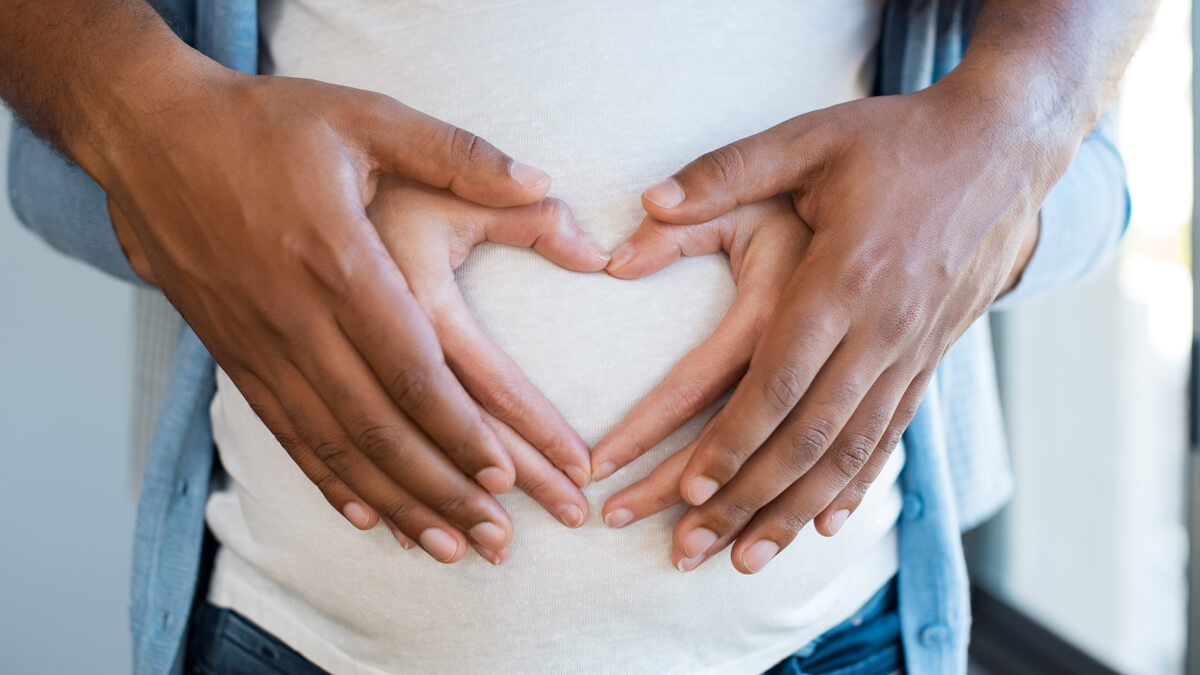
(327, 457)
(411, 143)
(829, 521)
(550, 228)
(498, 384)
(754, 168)
(390, 330)
(797, 445)
(655, 245)
(778, 523)
(795, 345)
(692, 385)
(401, 538)
(344, 500)
(494, 557)
(389, 442)
(650, 495)
(539, 479)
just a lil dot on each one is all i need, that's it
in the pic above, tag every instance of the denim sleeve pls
(1083, 218)
(55, 199)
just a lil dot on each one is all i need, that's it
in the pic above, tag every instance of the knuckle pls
(451, 504)
(379, 440)
(806, 446)
(735, 513)
(465, 147)
(726, 165)
(411, 388)
(790, 521)
(536, 484)
(503, 401)
(852, 456)
(553, 210)
(686, 400)
(783, 387)
(335, 455)
(326, 482)
(400, 511)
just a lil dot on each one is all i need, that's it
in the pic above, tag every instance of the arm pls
(248, 197)
(924, 209)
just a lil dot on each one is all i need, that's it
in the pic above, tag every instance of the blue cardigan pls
(956, 473)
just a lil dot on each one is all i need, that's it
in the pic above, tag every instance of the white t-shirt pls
(608, 98)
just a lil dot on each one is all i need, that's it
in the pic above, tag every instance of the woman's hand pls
(765, 241)
(924, 209)
(430, 233)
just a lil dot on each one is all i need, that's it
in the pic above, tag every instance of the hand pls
(924, 209)
(765, 240)
(247, 197)
(429, 233)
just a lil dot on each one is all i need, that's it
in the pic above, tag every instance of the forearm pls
(1053, 65)
(78, 71)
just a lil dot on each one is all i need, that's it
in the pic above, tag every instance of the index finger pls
(796, 343)
(383, 321)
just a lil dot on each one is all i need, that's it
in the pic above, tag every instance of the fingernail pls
(618, 518)
(570, 515)
(493, 479)
(488, 534)
(604, 471)
(594, 248)
(490, 555)
(357, 514)
(688, 564)
(666, 194)
(699, 489)
(405, 542)
(698, 540)
(439, 544)
(527, 175)
(757, 556)
(578, 475)
(837, 520)
(623, 254)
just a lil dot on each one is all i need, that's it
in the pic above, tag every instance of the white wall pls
(66, 503)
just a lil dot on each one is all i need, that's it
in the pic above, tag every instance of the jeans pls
(223, 642)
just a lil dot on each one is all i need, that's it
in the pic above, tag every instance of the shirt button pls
(913, 507)
(183, 488)
(934, 634)
(168, 620)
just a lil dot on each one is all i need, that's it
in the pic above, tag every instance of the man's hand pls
(918, 226)
(247, 199)
(430, 232)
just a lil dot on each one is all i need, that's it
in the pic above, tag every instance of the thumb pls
(406, 141)
(655, 245)
(754, 168)
(549, 227)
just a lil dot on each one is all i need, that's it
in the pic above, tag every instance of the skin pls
(430, 233)
(924, 210)
(248, 197)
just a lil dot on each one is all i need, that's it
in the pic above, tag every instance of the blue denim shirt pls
(956, 473)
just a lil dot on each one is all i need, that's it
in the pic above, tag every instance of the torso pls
(608, 98)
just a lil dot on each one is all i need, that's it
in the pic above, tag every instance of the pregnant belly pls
(594, 345)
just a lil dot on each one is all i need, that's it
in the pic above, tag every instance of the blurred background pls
(1088, 564)
(1094, 379)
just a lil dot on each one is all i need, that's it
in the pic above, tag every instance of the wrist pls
(132, 107)
(1017, 111)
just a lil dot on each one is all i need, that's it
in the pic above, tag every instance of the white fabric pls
(608, 98)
